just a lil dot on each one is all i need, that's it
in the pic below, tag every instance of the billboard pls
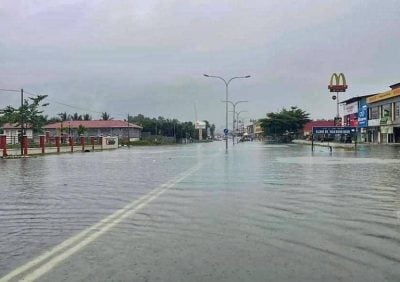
(199, 124)
(363, 116)
(351, 108)
(351, 120)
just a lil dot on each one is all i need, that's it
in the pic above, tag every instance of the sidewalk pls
(327, 144)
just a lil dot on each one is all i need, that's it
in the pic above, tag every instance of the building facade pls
(355, 114)
(376, 116)
(12, 132)
(384, 116)
(75, 128)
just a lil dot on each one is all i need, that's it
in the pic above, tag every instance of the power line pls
(30, 94)
(57, 102)
(65, 104)
(9, 90)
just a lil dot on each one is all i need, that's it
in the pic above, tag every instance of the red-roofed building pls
(119, 128)
(308, 127)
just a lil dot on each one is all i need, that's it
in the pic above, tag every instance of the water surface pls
(259, 213)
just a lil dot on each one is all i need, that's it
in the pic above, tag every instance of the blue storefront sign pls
(363, 116)
(335, 130)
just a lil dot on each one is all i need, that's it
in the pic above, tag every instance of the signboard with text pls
(335, 130)
(200, 124)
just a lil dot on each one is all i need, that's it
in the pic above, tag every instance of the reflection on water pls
(259, 211)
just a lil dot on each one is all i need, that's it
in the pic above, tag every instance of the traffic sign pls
(226, 131)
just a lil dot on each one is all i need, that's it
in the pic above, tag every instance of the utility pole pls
(129, 138)
(22, 122)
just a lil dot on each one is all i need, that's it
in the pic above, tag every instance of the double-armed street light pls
(226, 101)
(237, 115)
(233, 117)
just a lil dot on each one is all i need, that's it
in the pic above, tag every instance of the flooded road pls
(194, 213)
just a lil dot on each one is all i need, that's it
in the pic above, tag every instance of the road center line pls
(79, 241)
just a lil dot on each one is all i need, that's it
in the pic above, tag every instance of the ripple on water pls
(336, 160)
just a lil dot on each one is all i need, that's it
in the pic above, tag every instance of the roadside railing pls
(44, 145)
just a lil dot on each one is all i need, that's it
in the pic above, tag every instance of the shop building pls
(384, 116)
(355, 114)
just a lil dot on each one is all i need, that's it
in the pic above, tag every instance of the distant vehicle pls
(245, 138)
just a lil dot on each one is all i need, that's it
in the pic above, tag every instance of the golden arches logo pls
(337, 83)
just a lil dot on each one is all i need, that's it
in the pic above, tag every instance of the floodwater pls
(258, 213)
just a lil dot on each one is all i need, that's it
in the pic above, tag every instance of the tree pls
(75, 116)
(52, 120)
(106, 116)
(87, 117)
(9, 116)
(29, 113)
(165, 127)
(282, 126)
(81, 130)
(63, 116)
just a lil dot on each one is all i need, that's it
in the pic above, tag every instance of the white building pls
(12, 131)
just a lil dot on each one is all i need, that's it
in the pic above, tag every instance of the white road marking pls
(79, 241)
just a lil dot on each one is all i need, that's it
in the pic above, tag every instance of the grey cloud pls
(149, 56)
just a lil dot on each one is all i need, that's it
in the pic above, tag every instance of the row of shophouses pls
(376, 116)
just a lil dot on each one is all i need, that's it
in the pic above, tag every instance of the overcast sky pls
(149, 56)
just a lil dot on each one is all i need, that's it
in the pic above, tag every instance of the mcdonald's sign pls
(337, 83)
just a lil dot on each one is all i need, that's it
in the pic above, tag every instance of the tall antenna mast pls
(195, 111)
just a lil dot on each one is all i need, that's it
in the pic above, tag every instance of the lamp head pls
(206, 75)
(247, 76)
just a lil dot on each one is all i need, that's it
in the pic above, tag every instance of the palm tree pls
(105, 116)
(87, 117)
(63, 116)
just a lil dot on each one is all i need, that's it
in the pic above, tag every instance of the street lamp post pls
(233, 117)
(22, 113)
(226, 100)
(238, 113)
